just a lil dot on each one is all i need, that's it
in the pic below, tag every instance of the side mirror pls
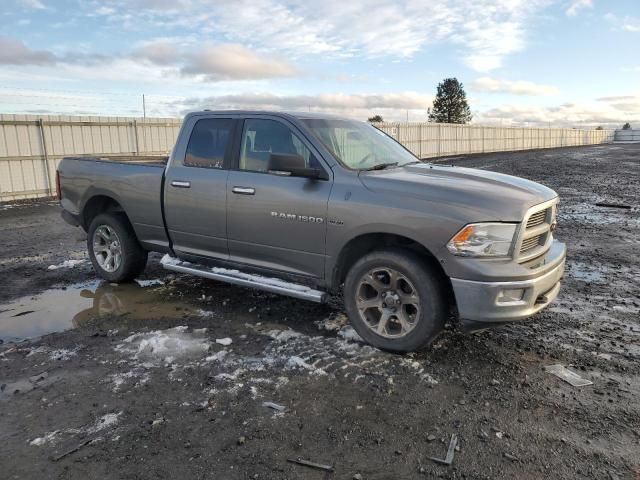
(294, 166)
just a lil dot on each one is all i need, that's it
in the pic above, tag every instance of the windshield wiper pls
(381, 166)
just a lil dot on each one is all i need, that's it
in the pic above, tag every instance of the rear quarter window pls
(208, 143)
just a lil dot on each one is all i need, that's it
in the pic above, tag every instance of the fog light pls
(511, 295)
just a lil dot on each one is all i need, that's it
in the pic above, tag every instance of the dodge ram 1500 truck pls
(308, 205)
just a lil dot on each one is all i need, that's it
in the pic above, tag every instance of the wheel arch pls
(365, 243)
(97, 204)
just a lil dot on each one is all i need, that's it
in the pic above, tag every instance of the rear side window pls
(208, 143)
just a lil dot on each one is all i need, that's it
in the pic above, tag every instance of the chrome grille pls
(532, 242)
(535, 236)
(537, 218)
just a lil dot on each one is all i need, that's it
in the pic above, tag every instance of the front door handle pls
(180, 184)
(244, 190)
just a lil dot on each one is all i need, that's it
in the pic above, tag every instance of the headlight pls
(483, 240)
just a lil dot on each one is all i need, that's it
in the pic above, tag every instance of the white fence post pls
(45, 154)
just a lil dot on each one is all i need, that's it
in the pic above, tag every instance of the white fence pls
(31, 146)
(428, 140)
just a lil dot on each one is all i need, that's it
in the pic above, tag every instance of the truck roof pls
(279, 113)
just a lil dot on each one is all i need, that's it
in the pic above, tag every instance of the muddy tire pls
(113, 248)
(394, 300)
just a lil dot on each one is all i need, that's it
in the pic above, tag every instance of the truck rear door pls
(276, 221)
(195, 191)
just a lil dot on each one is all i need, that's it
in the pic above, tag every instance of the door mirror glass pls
(292, 165)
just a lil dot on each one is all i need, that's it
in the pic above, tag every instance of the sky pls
(522, 62)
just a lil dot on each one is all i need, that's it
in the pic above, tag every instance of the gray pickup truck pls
(308, 205)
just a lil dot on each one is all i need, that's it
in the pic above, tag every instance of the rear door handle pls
(244, 190)
(180, 184)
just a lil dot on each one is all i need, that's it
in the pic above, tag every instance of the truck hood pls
(482, 195)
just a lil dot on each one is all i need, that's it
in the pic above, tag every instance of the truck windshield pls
(358, 145)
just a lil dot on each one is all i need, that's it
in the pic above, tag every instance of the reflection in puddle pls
(60, 309)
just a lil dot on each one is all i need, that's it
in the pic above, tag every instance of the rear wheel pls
(113, 248)
(394, 300)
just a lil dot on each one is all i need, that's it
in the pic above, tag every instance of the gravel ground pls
(140, 381)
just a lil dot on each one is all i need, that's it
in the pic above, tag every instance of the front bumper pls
(494, 302)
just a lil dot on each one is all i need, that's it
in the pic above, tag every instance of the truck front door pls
(276, 221)
(195, 191)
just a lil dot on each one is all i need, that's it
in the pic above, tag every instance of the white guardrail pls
(31, 146)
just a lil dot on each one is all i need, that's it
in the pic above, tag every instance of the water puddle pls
(60, 309)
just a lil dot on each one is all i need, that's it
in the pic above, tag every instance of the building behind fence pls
(32, 146)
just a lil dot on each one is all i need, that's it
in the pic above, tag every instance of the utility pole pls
(144, 107)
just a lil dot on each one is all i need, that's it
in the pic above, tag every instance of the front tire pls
(394, 300)
(113, 248)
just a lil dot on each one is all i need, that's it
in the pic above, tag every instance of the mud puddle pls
(61, 309)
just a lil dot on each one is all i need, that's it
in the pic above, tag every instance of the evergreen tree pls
(450, 105)
(375, 119)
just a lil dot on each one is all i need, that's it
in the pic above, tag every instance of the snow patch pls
(47, 438)
(105, 422)
(349, 334)
(259, 279)
(224, 341)
(340, 325)
(169, 260)
(67, 264)
(165, 346)
(218, 356)
(149, 283)
(56, 355)
(140, 376)
(297, 362)
(283, 335)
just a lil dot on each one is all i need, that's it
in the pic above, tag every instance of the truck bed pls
(134, 182)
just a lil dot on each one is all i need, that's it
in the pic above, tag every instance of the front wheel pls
(394, 300)
(113, 248)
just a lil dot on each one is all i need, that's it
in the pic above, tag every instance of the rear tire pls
(394, 300)
(113, 248)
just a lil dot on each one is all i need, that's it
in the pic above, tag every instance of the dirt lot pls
(144, 384)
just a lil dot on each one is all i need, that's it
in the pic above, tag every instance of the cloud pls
(235, 62)
(161, 51)
(213, 63)
(390, 105)
(623, 103)
(35, 4)
(577, 5)
(626, 23)
(616, 98)
(487, 84)
(15, 52)
(485, 31)
(567, 114)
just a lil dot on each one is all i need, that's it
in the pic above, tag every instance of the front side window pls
(358, 145)
(208, 143)
(261, 138)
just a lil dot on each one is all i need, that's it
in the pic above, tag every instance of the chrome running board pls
(235, 277)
